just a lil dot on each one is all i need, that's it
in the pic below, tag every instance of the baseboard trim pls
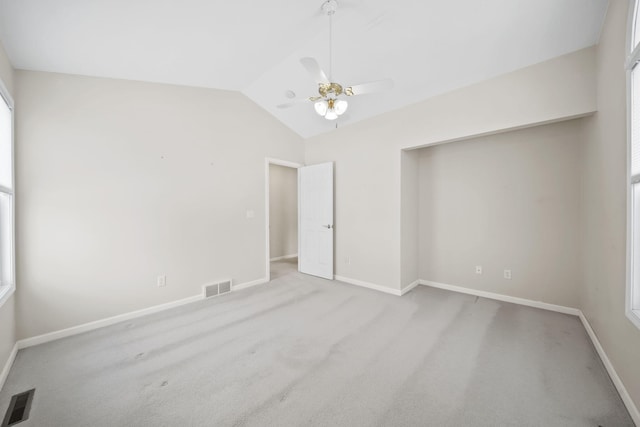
(96, 324)
(8, 365)
(624, 394)
(408, 288)
(622, 390)
(505, 298)
(280, 258)
(368, 285)
(250, 284)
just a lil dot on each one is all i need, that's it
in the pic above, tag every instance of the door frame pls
(278, 162)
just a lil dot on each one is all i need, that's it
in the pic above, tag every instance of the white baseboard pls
(501, 297)
(280, 258)
(75, 330)
(7, 365)
(368, 285)
(408, 288)
(624, 394)
(250, 284)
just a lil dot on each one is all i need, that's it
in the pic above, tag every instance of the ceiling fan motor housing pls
(329, 7)
(330, 88)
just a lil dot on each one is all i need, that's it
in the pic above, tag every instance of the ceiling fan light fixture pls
(329, 104)
(340, 106)
(321, 107)
(331, 115)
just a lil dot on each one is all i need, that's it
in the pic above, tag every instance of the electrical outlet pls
(478, 269)
(161, 281)
(347, 260)
(507, 274)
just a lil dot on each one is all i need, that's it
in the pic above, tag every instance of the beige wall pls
(123, 181)
(507, 201)
(367, 155)
(283, 211)
(604, 269)
(7, 314)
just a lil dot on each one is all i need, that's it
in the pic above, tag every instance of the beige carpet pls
(305, 351)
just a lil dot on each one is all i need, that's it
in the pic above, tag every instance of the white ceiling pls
(427, 47)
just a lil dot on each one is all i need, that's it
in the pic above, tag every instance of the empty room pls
(320, 212)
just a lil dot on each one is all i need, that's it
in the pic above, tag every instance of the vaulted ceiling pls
(427, 47)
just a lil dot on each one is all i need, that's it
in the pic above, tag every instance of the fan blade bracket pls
(370, 87)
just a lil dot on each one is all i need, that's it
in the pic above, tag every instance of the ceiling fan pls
(331, 103)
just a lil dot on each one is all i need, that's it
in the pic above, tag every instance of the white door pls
(315, 198)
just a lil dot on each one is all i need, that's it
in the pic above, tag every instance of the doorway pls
(282, 218)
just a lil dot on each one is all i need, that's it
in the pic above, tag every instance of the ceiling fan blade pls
(296, 102)
(286, 105)
(370, 87)
(314, 69)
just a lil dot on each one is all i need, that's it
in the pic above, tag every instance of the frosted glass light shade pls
(321, 107)
(340, 106)
(331, 115)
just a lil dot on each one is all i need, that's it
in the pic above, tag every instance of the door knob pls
(327, 226)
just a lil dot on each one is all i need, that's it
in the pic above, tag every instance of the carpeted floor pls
(305, 351)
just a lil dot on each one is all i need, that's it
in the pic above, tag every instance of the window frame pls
(633, 227)
(7, 290)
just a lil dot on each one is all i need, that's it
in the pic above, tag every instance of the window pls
(7, 265)
(633, 209)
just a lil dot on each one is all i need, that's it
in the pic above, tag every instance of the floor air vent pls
(19, 408)
(216, 289)
(225, 286)
(210, 290)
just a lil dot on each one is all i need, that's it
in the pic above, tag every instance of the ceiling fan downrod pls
(329, 8)
(330, 103)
